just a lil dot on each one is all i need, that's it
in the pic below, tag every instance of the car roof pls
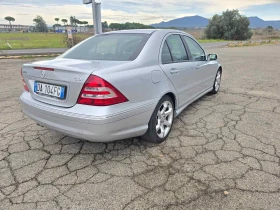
(145, 31)
(142, 31)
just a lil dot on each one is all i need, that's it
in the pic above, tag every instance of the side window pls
(177, 48)
(165, 55)
(197, 52)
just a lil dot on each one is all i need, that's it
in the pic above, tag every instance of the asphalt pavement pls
(223, 151)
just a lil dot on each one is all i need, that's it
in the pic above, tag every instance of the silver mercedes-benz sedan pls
(120, 84)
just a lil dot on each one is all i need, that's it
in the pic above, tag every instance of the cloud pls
(144, 11)
(216, 6)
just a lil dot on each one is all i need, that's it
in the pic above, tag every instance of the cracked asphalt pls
(223, 151)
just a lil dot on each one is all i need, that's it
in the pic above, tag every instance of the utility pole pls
(95, 24)
(98, 18)
(96, 14)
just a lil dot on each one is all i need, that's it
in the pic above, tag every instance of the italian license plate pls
(50, 90)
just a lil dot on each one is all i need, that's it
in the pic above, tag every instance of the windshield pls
(111, 47)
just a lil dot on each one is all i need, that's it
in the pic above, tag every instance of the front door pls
(205, 70)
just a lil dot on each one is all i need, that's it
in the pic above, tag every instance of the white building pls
(14, 28)
(75, 29)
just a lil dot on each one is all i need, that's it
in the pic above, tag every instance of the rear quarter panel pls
(138, 85)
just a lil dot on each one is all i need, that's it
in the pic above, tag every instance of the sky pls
(144, 11)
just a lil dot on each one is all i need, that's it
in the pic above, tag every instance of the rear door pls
(175, 63)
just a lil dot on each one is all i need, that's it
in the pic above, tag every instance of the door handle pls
(198, 67)
(174, 71)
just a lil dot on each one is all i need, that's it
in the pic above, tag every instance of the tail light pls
(98, 92)
(23, 82)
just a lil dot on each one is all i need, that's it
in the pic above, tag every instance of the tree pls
(10, 19)
(40, 24)
(56, 25)
(85, 23)
(64, 21)
(72, 20)
(105, 25)
(229, 26)
(269, 29)
(121, 26)
(80, 23)
(56, 19)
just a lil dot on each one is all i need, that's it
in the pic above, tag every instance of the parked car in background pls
(120, 84)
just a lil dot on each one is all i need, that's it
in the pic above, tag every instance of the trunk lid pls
(68, 73)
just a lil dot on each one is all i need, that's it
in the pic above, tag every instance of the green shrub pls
(229, 26)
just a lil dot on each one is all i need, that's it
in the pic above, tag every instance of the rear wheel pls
(217, 82)
(161, 121)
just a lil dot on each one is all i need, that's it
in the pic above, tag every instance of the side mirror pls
(212, 57)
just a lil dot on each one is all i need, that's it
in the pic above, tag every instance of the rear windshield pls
(112, 47)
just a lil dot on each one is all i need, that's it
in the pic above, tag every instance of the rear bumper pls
(81, 123)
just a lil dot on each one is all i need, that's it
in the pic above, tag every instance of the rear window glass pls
(113, 47)
(177, 48)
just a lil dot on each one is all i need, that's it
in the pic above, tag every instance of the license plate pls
(50, 90)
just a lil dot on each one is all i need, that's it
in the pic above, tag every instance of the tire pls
(161, 122)
(217, 83)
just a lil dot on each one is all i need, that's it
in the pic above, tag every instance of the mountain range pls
(201, 22)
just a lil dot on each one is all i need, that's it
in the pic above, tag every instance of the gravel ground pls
(223, 151)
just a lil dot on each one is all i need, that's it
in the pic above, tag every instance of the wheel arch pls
(173, 97)
(221, 69)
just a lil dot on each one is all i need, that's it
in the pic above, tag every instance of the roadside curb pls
(32, 52)
(27, 56)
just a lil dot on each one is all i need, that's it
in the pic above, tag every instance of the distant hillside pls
(201, 22)
(256, 22)
(185, 22)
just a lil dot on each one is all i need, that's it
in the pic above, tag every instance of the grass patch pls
(34, 40)
(37, 56)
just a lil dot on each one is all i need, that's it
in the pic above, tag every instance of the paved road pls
(62, 50)
(228, 142)
(32, 51)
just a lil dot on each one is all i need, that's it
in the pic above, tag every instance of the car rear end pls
(68, 95)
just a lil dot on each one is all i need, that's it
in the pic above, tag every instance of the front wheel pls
(161, 121)
(217, 82)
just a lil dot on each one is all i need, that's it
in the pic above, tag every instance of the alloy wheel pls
(164, 119)
(218, 81)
